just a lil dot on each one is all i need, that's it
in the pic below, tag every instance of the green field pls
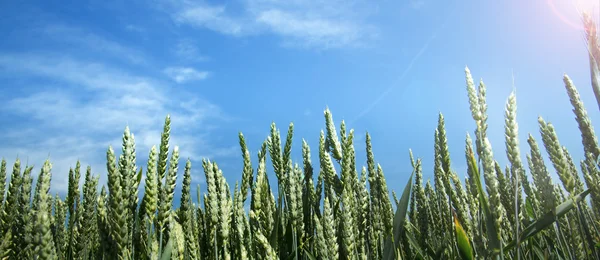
(330, 209)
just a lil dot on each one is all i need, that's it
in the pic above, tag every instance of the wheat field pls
(331, 209)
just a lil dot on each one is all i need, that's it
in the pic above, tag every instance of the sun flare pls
(570, 12)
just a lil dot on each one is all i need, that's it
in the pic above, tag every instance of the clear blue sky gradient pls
(74, 74)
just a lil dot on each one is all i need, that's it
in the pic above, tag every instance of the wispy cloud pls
(306, 23)
(211, 17)
(186, 50)
(134, 28)
(185, 74)
(311, 32)
(91, 109)
(417, 4)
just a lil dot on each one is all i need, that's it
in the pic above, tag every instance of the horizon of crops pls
(330, 209)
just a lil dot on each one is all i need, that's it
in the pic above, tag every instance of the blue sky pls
(75, 74)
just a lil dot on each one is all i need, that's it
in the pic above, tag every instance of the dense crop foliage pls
(333, 209)
(347, 214)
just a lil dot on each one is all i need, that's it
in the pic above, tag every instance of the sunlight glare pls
(570, 12)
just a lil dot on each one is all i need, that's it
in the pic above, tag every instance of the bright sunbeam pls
(570, 12)
(587, 5)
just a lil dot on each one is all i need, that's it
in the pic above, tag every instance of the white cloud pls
(301, 23)
(89, 112)
(185, 74)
